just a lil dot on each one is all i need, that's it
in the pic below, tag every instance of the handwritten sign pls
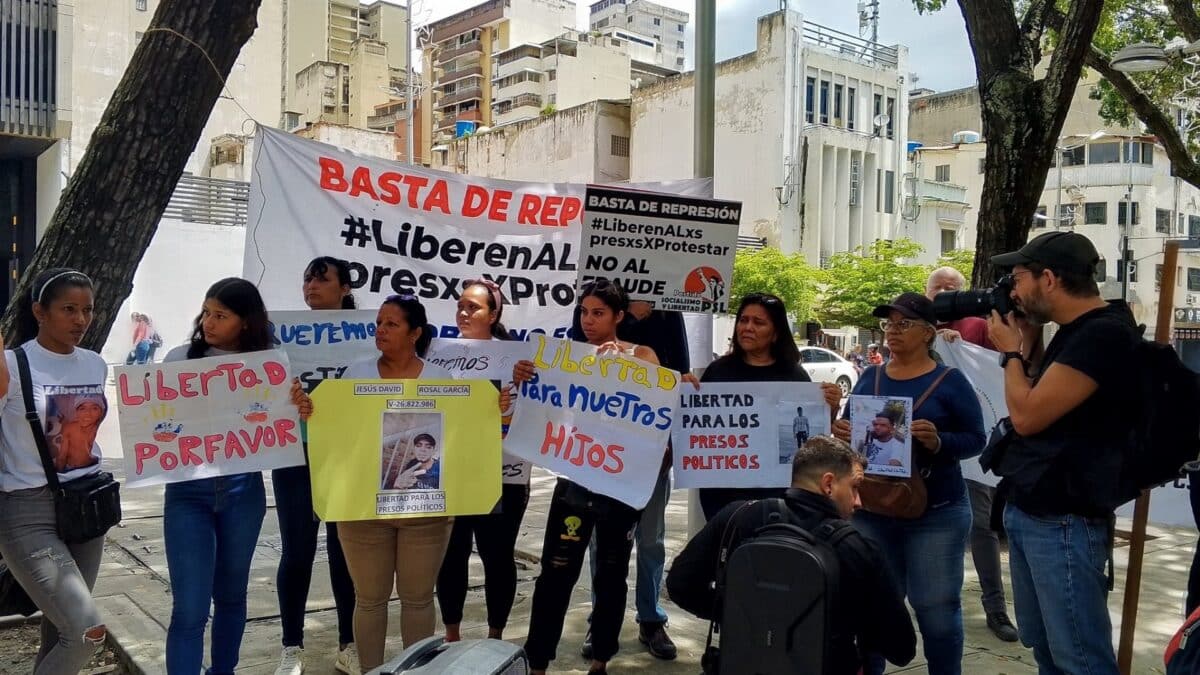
(320, 344)
(744, 434)
(404, 448)
(674, 252)
(602, 421)
(486, 360)
(879, 431)
(208, 417)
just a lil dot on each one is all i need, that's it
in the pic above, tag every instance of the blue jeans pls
(650, 533)
(1062, 610)
(211, 528)
(1193, 589)
(925, 556)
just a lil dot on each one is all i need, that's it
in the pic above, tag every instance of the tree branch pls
(1075, 34)
(1034, 24)
(995, 35)
(1186, 17)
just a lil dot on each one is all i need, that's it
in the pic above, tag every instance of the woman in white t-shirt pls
(68, 392)
(404, 553)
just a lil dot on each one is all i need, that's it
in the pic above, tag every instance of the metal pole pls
(1058, 193)
(705, 89)
(408, 84)
(1141, 508)
(1125, 257)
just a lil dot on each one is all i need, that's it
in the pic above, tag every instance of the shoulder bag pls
(86, 507)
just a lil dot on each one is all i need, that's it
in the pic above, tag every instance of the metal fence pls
(212, 201)
(28, 67)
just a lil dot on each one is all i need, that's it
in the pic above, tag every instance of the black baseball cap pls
(1068, 251)
(911, 305)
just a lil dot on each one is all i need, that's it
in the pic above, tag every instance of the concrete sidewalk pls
(135, 600)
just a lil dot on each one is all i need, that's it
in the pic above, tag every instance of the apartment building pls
(664, 28)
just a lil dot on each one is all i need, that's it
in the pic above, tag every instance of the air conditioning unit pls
(855, 180)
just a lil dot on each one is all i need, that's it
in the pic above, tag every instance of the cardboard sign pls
(404, 448)
(200, 418)
(879, 431)
(602, 421)
(486, 360)
(321, 344)
(674, 252)
(744, 434)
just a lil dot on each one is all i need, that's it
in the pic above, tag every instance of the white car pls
(824, 365)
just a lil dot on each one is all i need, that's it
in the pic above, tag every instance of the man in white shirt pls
(882, 447)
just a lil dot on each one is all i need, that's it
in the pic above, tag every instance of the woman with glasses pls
(480, 308)
(763, 350)
(925, 553)
(400, 553)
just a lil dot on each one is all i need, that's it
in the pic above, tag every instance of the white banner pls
(674, 252)
(486, 360)
(200, 418)
(407, 229)
(321, 344)
(602, 421)
(744, 434)
(982, 368)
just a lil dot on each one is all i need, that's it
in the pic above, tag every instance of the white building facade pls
(664, 26)
(796, 138)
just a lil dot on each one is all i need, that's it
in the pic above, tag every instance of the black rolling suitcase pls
(435, 656)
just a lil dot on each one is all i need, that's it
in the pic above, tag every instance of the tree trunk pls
(1022, 116)
(110, 209)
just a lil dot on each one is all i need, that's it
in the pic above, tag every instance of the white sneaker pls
(347, 661)
(291, 661)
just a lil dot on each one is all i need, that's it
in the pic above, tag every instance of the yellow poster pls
(404, 448)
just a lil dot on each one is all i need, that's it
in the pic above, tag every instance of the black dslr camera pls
(955, 305)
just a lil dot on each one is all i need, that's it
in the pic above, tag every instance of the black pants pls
(1193, 591)
(496, 535)
(298, 527)
(569, 528)
(712, 500)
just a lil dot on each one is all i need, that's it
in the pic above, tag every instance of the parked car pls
(827, 366)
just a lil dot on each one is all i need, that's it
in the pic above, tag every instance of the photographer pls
(1068, 429)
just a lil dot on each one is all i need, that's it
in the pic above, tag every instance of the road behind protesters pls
(869, 615)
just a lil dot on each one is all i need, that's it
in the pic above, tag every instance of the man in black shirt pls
(1070, 428)
(869, 614)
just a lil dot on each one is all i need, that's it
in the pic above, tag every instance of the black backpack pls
(776, 593)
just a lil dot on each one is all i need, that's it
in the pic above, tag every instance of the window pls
(679, 61)
(1193, 279)
(657, 21)
(1127, 266)
(137, 37)
(851, 107)
(1131, 152)
(1066, 215)
(1040, 222)
(810, 87)
(824, 102)
(139, 5)
(1073, 157)
(680, 27)
(656, 36)
(941, 173)
(1181, 228)
(551, 75)
(891, 113)
(1101, 270)
(949, 241)
(1193, 226)
(982, 162)
(878, 111)
(1162, 221)
(837, 104)
(1157, 276)
(679, 44)
(878, 190)
(620, 146)
(1104, 153)
(889, 197)
(1148, 154)
(1095, 213)
(1122, 207)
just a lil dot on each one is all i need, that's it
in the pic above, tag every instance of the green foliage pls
(860, 280)
(550, 109)
(768, 270)
(961, 259)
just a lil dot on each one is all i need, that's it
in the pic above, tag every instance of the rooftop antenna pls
(868, 19)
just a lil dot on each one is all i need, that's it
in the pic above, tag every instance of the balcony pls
(447, 122)
(1097, 175)
(459, 95)
(449, 54)
(457, 74)
(942, 192)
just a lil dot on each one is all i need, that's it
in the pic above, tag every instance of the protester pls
(926, 553)
(855, 356)
(869, 614)
(480, 309)
(763, 351)
(575, 513)
(1070, 425)
(400, 553)
(981, 487)
(874, 358)
(326, 286)
(142, 343)
(211, 525)
(51, 320)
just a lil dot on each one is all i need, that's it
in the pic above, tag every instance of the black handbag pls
(85, 508)
(13, 598)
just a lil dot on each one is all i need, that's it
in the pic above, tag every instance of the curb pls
(137, 640)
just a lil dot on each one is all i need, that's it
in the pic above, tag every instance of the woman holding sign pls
(479, 312)
(924, 551)
(326, 287)
(576, 514)
(763, 351)
(211, 525)
(400, 553)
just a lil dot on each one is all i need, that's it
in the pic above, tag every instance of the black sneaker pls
(586, 650)
(654, 636)
(1001, 627)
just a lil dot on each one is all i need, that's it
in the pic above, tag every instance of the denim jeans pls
(211, 528)
(985, 547)
(1062, 609)
(925, 556)
(298, 527)
(649, 536)
(58, 578)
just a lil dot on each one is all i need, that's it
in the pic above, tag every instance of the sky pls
(939, 54)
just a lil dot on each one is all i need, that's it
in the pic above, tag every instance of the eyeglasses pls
(762, 298)
(901, 325)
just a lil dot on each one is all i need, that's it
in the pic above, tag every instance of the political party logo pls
(708, 284)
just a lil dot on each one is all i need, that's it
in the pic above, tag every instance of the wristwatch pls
(1008, 356)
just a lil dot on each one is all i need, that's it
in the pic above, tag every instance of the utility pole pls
(705, 89)
(408, 83)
